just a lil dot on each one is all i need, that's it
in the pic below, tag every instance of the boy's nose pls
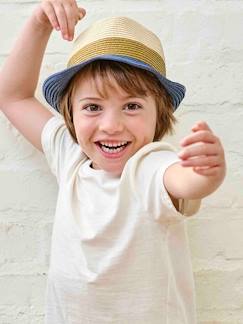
(111, 123)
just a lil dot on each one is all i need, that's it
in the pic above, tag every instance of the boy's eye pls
(92, 108)
(132, 106)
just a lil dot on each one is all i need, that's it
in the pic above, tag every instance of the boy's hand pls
(61, 15)
(203, 151)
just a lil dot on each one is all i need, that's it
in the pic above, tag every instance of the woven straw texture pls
(119, 46)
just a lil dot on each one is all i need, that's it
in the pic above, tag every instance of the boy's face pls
(112, 126)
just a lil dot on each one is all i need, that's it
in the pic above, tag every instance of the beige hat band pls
(119, 46)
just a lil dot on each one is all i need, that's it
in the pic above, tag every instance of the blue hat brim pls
(55, 84)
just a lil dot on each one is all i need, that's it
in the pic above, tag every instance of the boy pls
(119, 248)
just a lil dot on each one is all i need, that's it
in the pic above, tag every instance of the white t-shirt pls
(119, 247)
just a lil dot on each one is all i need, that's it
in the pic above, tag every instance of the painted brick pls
(203, 51)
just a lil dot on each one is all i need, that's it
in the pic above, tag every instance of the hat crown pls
(118, 27)
(118, 39)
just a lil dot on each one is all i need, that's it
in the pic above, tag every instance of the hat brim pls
(55, 84)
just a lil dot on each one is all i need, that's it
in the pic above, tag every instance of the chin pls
(113, 167)
(117, 171)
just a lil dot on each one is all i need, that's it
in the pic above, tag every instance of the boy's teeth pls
(113, 148)
(113, 144)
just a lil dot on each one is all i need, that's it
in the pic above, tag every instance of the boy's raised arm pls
(202, 168)
(20, 73)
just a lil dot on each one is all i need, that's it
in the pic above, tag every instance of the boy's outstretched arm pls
(19, 75)
(202, 168)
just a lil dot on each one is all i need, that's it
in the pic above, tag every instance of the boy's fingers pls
(82, 13)
(61, 18)
(71, 15)
(198, 150)
(201, 125)
(208, 171)
(201, 161)
(74, 14)
(50, 14)
(199, 136)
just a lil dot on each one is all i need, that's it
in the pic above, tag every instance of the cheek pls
(145, 129)
(80, 127)
(154, 122)
(150, 123)
(84, 129)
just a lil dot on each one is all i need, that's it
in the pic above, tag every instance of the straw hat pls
(117, 39)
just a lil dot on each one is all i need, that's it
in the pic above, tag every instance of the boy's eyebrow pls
(90, 98)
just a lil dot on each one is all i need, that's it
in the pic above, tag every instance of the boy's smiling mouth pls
(112, 147)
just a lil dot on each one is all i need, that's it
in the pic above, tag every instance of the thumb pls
(200, 125)
(82, 13)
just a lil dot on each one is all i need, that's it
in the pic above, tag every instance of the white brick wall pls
(204, 50)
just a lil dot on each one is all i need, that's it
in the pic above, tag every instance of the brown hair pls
(134, 81)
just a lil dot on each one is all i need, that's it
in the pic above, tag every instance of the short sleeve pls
(148, 168)
(59, 148)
